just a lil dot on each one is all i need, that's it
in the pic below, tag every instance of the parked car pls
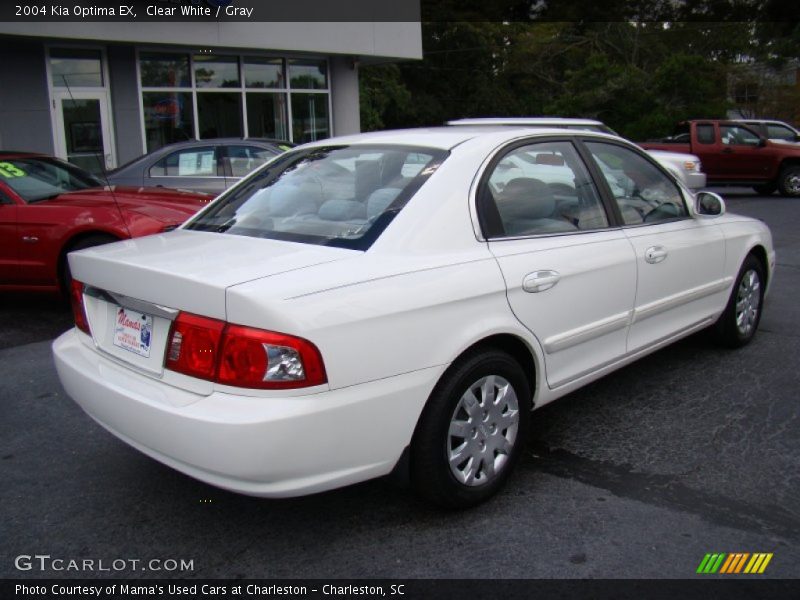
(687, 168)
(775, 131)
(735, 154)
(376, 303)
(49, 207)
(210, 166)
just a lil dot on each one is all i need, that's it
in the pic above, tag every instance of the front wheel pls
(472, 430)
(789, 183)
(738, 324)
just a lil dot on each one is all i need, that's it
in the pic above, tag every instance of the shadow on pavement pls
(28, 318)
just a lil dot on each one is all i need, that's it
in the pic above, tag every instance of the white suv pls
(774, 131)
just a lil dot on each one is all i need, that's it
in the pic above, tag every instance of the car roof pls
(446, 138)
(522, 121)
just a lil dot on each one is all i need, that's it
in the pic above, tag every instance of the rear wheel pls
(738, 324)
(95, 239)
(472, 430)
(789, 181)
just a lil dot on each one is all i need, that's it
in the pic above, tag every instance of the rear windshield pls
(341, 196)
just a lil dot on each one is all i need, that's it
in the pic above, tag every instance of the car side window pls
(705, 134)
(542, 188)
(244, 159)
(643, 193)
(779, 132)
(190, 162)
(733, 135)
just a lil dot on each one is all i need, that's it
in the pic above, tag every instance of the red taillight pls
(194, 345)
(256, 358)
(242, 356)
(78, 309)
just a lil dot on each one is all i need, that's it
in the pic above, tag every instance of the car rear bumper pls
(262, 446)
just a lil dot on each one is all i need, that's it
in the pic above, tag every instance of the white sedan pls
(394, 302)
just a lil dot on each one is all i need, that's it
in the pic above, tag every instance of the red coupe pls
(49, 207)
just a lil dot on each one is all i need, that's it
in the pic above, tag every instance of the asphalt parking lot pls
(694, 449)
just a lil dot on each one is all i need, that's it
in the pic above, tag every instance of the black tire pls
(789, 181)
(431, 474)
(765, 189)
(731, 328)
(95, 239)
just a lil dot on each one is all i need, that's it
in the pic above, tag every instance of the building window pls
(164, 70)
(309, 117)
(203, 96)
(219, 114)
(308, 74)
(266, 115)
(73, 67)
(168, 118)
(264, 72)
(216, 71)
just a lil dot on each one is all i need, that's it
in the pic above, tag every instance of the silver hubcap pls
(483, 430)
(793, 184)
(748, 301)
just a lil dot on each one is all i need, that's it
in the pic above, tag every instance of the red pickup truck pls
(734, 154)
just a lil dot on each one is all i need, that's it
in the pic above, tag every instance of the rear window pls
(341, 196)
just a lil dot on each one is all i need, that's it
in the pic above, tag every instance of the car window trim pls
(483, 185)
(610, 195)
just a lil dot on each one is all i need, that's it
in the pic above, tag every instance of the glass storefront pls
(203, 96)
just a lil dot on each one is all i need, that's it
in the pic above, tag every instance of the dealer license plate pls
(133, 331)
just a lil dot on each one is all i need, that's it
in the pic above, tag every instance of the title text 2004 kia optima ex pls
(400, 298)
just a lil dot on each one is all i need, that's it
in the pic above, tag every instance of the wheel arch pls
(513, 345)
(761, 255)
(793, 161)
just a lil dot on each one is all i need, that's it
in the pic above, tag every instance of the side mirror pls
(762, 142)
(709, 204)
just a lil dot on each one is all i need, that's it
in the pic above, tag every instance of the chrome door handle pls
(540, 281)
(30, 239)
(655, 254)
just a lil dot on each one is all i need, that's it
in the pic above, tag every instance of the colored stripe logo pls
(735, 563)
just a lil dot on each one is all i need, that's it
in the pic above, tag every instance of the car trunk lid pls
(134, 288)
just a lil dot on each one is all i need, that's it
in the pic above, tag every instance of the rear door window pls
(705, 133)
(538, 189)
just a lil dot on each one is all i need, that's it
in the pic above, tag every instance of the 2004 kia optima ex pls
(400, 298)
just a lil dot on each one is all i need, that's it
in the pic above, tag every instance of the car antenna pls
(102, 166)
